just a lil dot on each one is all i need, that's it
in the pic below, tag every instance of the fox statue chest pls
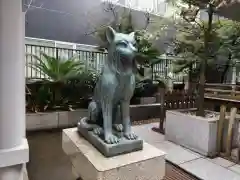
(115, 86)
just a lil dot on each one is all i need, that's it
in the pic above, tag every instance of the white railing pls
(88, 53)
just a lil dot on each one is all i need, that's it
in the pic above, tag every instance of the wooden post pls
(230, 130)
(238, 142)
(220, 127)
(233, 93)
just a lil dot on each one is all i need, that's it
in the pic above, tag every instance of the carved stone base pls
(109, 150)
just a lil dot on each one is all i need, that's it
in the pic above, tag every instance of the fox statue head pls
(121, 51)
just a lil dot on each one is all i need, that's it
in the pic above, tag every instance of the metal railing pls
(163, 69)
(94, 59)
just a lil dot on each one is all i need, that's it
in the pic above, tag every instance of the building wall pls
(74, 20)
(70, 20)
(61, 20)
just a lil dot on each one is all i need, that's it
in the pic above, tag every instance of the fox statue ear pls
(132, 34)
(110, 34)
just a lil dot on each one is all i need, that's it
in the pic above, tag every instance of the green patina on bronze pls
(108, 125)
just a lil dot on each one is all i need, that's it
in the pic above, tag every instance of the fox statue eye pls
(122, 44)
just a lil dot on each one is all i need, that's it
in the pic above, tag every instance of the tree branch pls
(30, 4)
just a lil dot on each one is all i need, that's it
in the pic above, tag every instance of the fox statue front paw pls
(98, 131)
(130, 136)
(118, 127)
(111, 139)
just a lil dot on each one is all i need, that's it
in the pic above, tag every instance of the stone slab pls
(25, 173)
(147, 134)
(207, 170)
(197, 133)
(90, 164)
(235, 155)
(235, 168)
(193, 132)
(110, 150)
(222, 162)
(49, 120)
(14, 156)
(177, 154)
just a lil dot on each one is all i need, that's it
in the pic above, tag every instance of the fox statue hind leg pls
(95, 117)
(94, 120)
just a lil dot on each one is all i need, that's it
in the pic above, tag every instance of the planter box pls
(71, 118)
(64, 119)
(196, 133)
(38, 121)
(145, 111)
(147, 100)
(50, 120)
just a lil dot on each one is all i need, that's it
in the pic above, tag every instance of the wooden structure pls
(223, 90)
(222, 94)
(231, 124)
(215, 96)
(173, 100)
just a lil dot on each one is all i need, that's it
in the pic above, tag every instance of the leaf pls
(58, 70)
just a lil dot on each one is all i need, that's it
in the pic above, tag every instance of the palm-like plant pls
(59, 71)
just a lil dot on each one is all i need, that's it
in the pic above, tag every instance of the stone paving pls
(48, 162)
(201, 167)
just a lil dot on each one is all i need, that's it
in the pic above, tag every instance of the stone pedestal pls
(89, 164)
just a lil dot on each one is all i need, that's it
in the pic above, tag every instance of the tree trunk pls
(190, 80)
(162, 109)
(226, 68)
(207, 39)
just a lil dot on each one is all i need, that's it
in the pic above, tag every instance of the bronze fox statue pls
(114, 89)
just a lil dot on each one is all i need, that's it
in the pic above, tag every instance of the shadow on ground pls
(47, 159)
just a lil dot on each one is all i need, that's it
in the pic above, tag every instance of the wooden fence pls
(227, 96)
(222, 94)
(229, 90)
(231, 149)
(228, 124)
(173, 100)
(180, 99)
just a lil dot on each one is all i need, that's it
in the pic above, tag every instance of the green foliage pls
(122, 25)
(190, 47)
(147, 53)
(39, 96)
(224, 42)
(229, 32)
(81, 86)
(189, 15)
(58, 69)
(68, 81)
(147, 85)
